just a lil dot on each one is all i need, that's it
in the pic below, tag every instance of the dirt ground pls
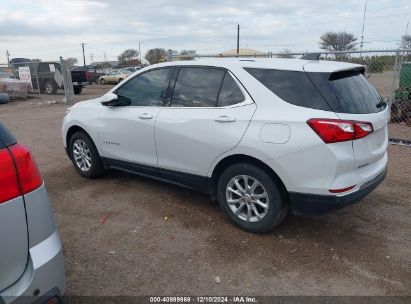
(128, 235)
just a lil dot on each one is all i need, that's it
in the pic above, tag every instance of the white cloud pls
(47, 29)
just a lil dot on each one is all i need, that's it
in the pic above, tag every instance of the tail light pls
(337, 130)
(18, 172)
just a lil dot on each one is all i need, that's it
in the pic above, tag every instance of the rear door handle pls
(225, 118)
(145, 116)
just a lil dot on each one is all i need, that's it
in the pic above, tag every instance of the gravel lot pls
(128, 235)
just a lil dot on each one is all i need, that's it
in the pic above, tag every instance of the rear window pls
(291, 86)
(354, 93)
(343, 92)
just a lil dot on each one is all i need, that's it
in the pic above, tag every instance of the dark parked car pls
(49, 77)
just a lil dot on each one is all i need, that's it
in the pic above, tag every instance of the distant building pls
(242, 52)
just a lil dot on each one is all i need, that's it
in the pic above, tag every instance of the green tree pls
(156, 55)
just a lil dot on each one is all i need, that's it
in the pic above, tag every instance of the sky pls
(47, 29)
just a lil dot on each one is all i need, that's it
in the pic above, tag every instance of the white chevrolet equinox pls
(264, 137)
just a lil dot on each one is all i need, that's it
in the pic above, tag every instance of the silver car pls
(31, 259)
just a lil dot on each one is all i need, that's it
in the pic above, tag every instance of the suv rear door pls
(13, 224)
(352, 97)
(206, 114)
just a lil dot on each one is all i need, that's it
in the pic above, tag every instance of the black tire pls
(77, 90)
(96, 169)
(277, 205)
(49, 88)
(120, 80)
(102, 81)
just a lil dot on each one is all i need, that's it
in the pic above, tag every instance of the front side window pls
(197, 87)
(145, 89)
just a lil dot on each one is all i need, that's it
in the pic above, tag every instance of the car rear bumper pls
(314, 204)
(44, 272)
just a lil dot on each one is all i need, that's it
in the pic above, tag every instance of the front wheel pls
(84, 156)
(251, 198)
(102, 81)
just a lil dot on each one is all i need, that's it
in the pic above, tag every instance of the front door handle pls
(145, 116)
(225, 118)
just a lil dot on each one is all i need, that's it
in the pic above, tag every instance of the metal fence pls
(41, 79)
(388, 70)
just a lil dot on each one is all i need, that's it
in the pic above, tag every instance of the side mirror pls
(113, 100)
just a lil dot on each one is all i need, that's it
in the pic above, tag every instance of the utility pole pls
(139, 49)
(91, 58)
(363, 25)
(8, 57)
(84, 56)
(238, 39)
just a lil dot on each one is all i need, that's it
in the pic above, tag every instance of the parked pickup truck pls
(93, 73)
(49, 77)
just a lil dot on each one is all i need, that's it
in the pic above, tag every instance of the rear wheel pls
(120, 80)
(84, 156)
(251, 198)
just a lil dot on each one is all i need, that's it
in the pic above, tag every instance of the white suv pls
(265, 137)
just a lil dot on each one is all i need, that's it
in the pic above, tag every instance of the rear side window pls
(230, 93)
(291, 86)
(197, 87)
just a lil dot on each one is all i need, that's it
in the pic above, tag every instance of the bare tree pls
(156, 55)
(406, 42)
(187, 54)
(129, 57)
(70, 62)
(341, 41)
(285, 53)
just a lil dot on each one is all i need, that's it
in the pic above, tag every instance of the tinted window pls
(230, 93)
(197, 87)
(145, 89)
(354, 93)
(291, 86)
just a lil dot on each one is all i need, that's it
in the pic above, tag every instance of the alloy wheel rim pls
(82, 155)
(247, 198)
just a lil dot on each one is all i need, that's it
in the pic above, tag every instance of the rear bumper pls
(44, 274)
(314, 204)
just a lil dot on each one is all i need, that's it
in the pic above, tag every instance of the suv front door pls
(126, 133)
(206, 114)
